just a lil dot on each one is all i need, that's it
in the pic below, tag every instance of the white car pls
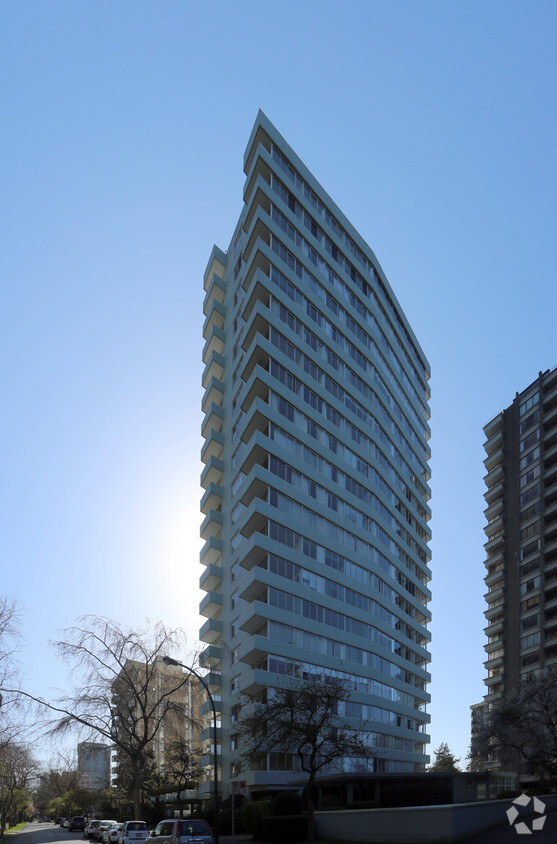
(106, 832)
(114, 832)
(133, 831)
(98, 833)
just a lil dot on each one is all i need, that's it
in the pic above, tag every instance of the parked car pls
(77, 822)
(59, 820)
(133, 831)
(106, 832)
(90, 828)
(183, 832)
(99, 830)
(66, 822)
(114, 833)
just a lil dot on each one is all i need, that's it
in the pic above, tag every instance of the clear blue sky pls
(431, 124)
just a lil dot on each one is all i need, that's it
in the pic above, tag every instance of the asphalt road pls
(47, 833)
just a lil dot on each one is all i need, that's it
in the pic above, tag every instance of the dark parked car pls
(76, 822)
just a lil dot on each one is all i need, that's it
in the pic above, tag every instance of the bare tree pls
(10, 638)
(522, 726)
(303, 720)
(124, 692)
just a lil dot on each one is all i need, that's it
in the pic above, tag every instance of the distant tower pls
(316, 474)
(93, 764)
(521, 530)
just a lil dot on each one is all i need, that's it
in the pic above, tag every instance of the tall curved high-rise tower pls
(316, 475)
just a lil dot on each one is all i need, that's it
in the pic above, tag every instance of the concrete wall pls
(417, 824)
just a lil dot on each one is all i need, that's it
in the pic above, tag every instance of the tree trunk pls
(309, 793)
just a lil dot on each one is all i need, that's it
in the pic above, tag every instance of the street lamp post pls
(168, 660)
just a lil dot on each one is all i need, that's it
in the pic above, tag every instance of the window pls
(529, 476)
(529, 421)
(530, 457)
(531, 548)
(530, 659)
(529, 531)
(530, 585)
(530, 439)
(529, 403)
(531, 621)
(530, 493)
(529, 641)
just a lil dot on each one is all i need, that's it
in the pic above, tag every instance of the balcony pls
(495, 476)
(211, 631)
(256, 420)
(215, 317)
(493, 612)
(495, 525)
(255, 551)
(493, 509)
(256, 453)
(494, 544)
(213, 421)
(213, 368)
(214, 343)
(550, 457)
(255, 486)
(210, 656)
(208, 733)
(213, 445)
(216, 290)
(550, 493)
(254, 650)
(258, 354)
(491, 579)
(259, 292)
(258, 388)
(493, 493)
(493, 459)
(211, 605)
(212, 472)
(253, 682)
(211, 552)
(253, 617)
(212, 498)
(211, 525)
(206, 708)
(497, 627)
(550, 429)
(211, 578)
(494, 442)
(214, 394)
(216, 267)
(494, 425)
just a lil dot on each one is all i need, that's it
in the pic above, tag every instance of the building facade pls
(94, 764)
(157, 702)
(316, 473)
(521, 531)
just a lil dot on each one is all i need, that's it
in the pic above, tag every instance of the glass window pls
(529, 403)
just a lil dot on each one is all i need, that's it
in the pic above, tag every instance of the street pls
(47, 833)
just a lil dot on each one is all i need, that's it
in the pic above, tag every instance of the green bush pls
(506, 793)
(225, 822)
(254, 813)
(277, 829)
(288, 803)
